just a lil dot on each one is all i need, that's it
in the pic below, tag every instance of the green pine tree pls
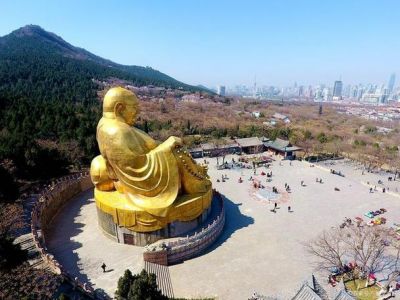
(124, 285)
(138, 287)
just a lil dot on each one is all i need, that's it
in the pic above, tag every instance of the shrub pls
(138, 287)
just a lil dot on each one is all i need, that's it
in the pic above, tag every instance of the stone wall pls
(50, 201)
(53, 199)
(156, 257)
(169, 253)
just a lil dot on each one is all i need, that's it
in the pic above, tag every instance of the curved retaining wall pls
(169, 253)
(59, 192)
(50, 201)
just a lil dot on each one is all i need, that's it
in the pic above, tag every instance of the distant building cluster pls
(373, 94)
(379, 113)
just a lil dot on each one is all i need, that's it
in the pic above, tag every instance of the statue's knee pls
(99, 174)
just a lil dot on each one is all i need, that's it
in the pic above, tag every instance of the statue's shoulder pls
(111, 128)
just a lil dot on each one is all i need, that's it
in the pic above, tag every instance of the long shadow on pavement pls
(61, 243)
(234, 221)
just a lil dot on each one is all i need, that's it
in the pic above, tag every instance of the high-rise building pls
(255, 87)
(360, 92)
(337, 89)
(221, 90)
(318, 93)
(325, 94)
(301, 91)
(347, 90)
(392, 80)
(353, 92)
(309, 92)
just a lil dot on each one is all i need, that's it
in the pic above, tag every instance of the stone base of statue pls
(126, 223)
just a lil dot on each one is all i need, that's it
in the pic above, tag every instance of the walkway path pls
(79, 245)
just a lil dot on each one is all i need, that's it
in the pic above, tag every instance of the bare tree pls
(329, 249)
(396, 246)
(365, 246)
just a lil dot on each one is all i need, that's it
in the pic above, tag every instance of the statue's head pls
(120, 104)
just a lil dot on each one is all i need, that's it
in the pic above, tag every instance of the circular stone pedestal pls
(123, 235)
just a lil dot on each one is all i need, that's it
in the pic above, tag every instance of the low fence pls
(169, 253)
(50, 201)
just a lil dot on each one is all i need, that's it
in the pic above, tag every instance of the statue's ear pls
(118, 108)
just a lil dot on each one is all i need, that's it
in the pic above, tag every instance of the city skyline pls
(321, 83)
(337, 91)
(226, 43)
(391, 84)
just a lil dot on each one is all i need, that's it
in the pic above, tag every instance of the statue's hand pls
(204, 169)
(175, 141)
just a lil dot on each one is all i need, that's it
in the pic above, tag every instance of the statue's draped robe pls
(148, 172)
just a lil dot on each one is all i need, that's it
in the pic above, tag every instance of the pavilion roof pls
(278, 144)
(208, 146)
(249, 142)
(306, 293)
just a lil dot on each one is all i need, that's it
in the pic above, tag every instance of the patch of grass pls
(362, 293)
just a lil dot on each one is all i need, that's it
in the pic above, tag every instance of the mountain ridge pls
(32, 41)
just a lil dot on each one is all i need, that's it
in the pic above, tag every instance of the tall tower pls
(255, 87)
(392, 80)
(337, 89)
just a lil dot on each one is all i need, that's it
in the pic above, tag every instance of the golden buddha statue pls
(144, 185)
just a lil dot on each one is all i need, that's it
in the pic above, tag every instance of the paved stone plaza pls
(259, 250)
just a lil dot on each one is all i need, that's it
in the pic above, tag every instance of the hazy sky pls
(229, 42)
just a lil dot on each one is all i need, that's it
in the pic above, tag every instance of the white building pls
(221, 90)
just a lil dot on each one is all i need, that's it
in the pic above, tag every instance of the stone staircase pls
(163, 278)
(34, 258)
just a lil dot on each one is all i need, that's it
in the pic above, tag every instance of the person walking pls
(289, 209)
(103, 266)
